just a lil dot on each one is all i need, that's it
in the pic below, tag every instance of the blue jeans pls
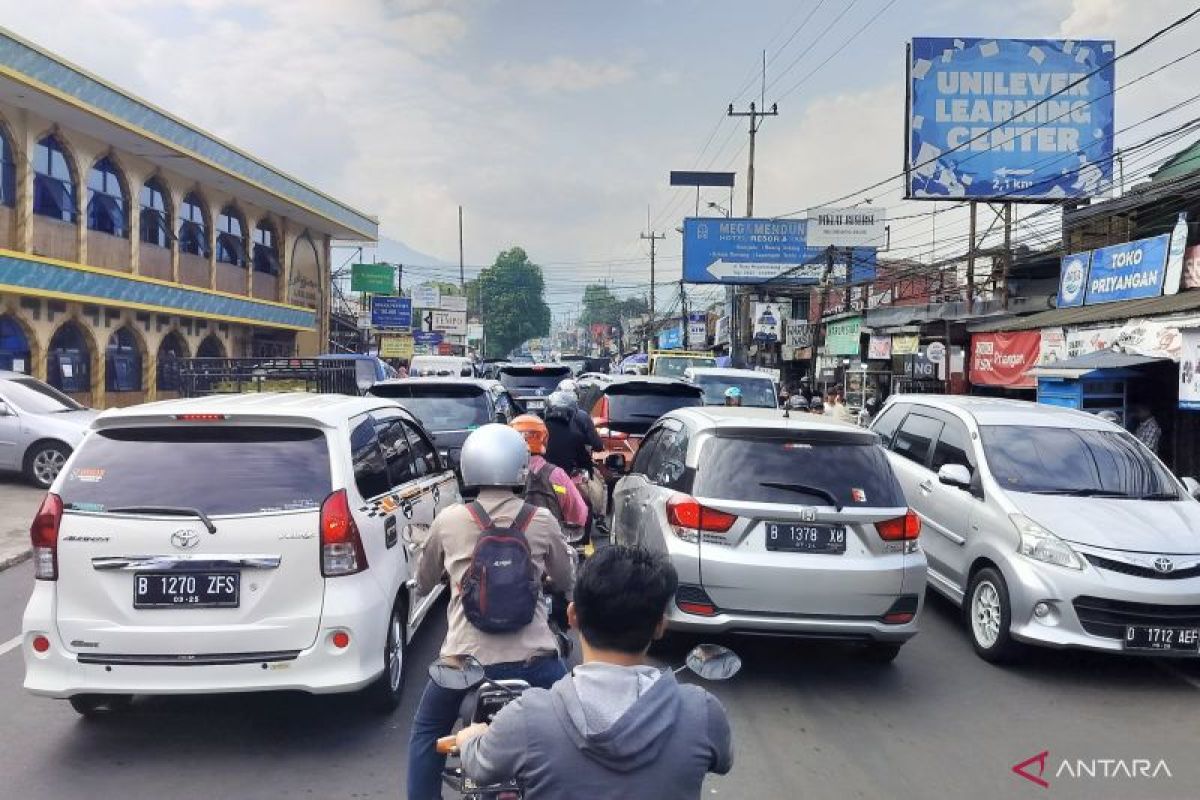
(438, 712)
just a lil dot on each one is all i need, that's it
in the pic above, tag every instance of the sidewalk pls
(18, 503)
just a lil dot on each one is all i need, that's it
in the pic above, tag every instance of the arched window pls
(193, 229)
(266, 249)
(123, 362)
(8, 171)
(155, 222)
(106, 199)
(69, 360)
(53, 186)
(14, 346)
(172, 349)
(211, 347)
(231, 237)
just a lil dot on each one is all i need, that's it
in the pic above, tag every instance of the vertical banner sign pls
(1072, 279)
(697, 333)
(1004, 359)
(1009, 118)
(842, 337)
(1189, 370)
(768, 322)
(1053, 347)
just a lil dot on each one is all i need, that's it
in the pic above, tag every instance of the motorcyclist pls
(582, 418)
(494, 460)
(570, 506)
(616, 727)
(567, 446)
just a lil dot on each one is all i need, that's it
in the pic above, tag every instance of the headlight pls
(1042, 545)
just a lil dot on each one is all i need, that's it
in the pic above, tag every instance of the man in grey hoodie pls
(615, 727)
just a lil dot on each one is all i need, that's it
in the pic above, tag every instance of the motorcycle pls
(486, 697)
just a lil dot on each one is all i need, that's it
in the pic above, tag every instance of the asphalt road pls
(811, 721)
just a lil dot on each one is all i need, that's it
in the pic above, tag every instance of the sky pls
(554, 124)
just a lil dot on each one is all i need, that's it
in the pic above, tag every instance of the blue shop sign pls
(1128, 271)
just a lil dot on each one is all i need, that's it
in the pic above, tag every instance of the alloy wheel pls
(986, 614)
(395, 650)
(47, 464)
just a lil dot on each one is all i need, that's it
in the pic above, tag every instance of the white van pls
(233, 543)
(441, 367)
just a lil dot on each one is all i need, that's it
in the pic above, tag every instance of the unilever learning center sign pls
(1131, 271)
(1000, 118)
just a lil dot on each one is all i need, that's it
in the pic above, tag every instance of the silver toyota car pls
(790, 526)
(1048, 526)
(39, 427)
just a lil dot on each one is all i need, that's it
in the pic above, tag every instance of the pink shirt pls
(569, 499)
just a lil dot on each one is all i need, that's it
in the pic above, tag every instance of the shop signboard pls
(1143, 337)
(1189, 370)
(395, 346)
(768, 322)
(847, 227)
(842, 337)
(426, 297)
(1009, 119)
(427, 338)
(905, 344)
(670, 338)
(879, 347)
(374, 278)
(799, 333)
(1130, 271)
(1053, 346)
(697, 333)
(389, 311)
(452, 302)
(1004, 359)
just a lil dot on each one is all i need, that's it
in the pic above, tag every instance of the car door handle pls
(926, 486)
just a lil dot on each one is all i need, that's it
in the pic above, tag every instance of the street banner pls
(426, 297)
(1189, 370)
(374, 278)
(842, 337)
(768, 322)
(697, 333)
(1009, 119)
(799, 333)
(1004, 359)
(389, 311)
(905, 344)
(879, 347)
(752, 251)
(847, 227)
(395, 347)
(452, 302)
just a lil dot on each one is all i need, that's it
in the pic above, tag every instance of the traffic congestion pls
(425, 465)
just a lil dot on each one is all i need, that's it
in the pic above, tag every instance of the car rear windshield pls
(805, 470)
(547, 379)
(30, 394)
(217, 469)
(440, 407)
(674, 366)
(756, 392)
(633, 408)
(1071, 461)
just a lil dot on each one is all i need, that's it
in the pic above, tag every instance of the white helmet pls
(568, 385)
(494, 455)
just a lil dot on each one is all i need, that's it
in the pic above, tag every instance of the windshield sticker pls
(858, 495)
(87, 474)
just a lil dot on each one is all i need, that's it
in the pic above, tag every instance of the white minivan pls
(233, 543)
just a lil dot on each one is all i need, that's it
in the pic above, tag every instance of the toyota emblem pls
(1164, 564)
(185, 539)
(808, 514)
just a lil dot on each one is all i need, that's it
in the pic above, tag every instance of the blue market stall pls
(1095, 382)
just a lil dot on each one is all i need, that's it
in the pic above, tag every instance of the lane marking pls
(15, 642)
(1167, 667)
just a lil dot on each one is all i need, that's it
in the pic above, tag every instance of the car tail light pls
(40, 644)
(340, 640)
(694, 600)
(201, 417)
(902, 611)
(900, 529)
(341, 546)
(688, 518)
(43, 534)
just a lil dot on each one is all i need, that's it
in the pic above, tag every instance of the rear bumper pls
(318, 669)
(794, 626)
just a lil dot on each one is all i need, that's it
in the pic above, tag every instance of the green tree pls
(514, 307)
(601, 306)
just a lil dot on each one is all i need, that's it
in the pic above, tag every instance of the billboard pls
(670, 338)
(751, 251)
(395, 347)
(427, 297)
(1004, 359)
(1130, 271)
(1000, 119)
(768, 322)
(847, 227)
(391, 312)
(376, 278)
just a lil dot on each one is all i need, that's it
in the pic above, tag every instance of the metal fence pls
(205, 376)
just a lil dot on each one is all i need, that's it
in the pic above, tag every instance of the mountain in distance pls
(394, 251)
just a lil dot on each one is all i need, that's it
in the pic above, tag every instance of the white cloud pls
(560, 74)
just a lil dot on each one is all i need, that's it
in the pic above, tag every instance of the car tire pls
(988, 614)
(44, 461)
(385, 693)
(96, 706)
(882, 652)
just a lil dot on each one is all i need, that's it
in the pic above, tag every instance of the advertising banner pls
(751, 251)
(1010, 118)
(721, 331)
(395, 347)
(768, 322)
(905, 344)
(670, 338)
(1189, 370)
(375, 278)
(697, 332)
(1073, 278)
(1004, 359)
(391, 312)
(426, 297)
(842, 337)
(879, 347)
(847, 227)
(452, 302)
(454, 322)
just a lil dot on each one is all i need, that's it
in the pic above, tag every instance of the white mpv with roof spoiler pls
(233, 543)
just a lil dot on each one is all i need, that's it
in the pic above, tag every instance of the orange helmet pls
(534, 431)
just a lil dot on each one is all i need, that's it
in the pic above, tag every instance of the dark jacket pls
(566, 446)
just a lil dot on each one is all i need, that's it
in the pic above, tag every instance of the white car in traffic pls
(229, 544)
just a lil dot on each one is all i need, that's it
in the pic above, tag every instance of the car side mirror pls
(616, 462)
(955, 475)
(1193, 487)
(5, 411)
(415, 534)
(458, 673)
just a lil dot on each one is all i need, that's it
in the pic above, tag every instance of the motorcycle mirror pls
(456, 672)
(713, 662)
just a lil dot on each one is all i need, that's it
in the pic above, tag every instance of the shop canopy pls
(1107, 312)
(1078, 367)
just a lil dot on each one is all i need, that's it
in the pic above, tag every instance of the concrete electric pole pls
(653, 238)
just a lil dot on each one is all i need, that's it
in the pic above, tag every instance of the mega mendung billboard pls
(1000, 119)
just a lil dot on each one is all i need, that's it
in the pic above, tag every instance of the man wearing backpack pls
(501, 620)
(549, 486)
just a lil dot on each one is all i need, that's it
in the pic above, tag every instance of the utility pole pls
(653, 238)
(461, 277)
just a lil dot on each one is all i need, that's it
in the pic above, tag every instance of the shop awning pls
(1080, 366)
(1107, 312)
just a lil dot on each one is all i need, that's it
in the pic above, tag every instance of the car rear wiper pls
(1157, 496)
(177, 511)
(806, 489)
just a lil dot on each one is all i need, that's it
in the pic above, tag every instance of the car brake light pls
(201, 417)
(40, 644)
(43, 534)
(900, 529)
(688, 517)
(341, 546)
